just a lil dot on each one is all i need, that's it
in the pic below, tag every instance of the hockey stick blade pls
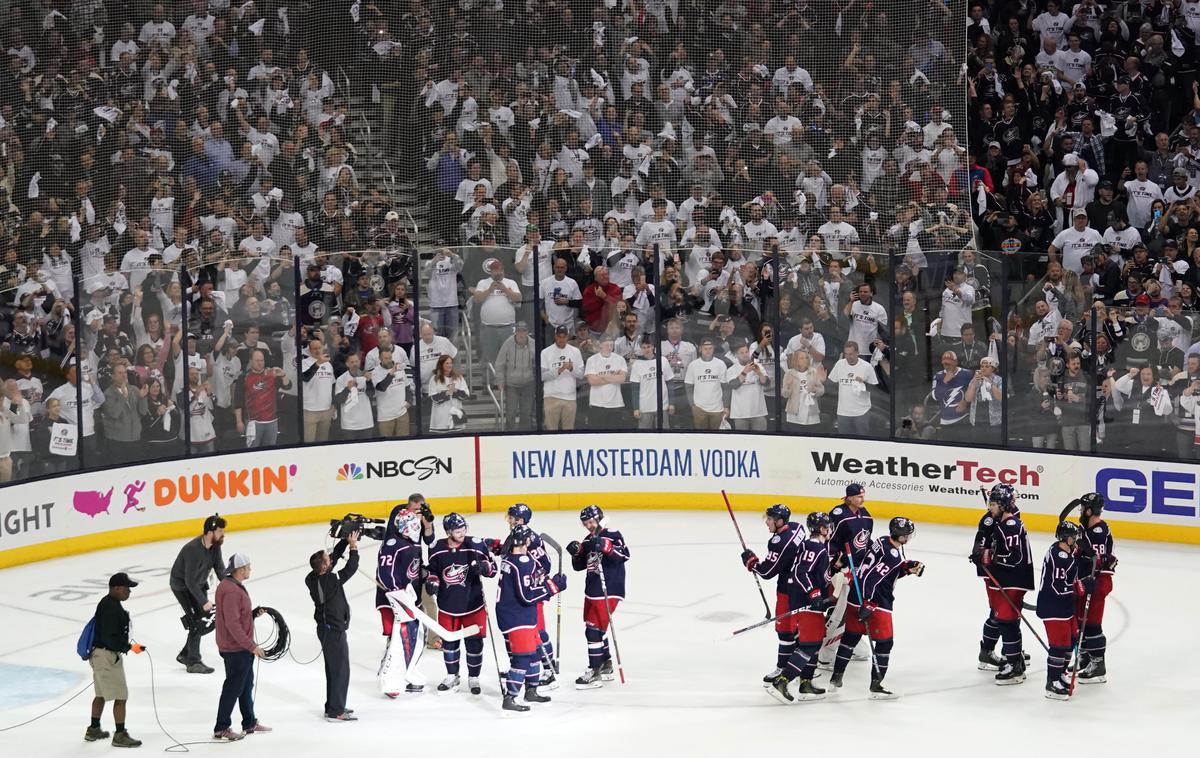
(404, 601)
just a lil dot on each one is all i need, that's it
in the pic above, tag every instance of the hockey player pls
(852, 526)
(1096, 543)
(522, 587)
(988, 660)
(876, 576)
(1009, 561)
(1065, 577)
(398, 574)
(519, 513)
(602, 555)
(786, 536)
(456, 564)
(809, 589)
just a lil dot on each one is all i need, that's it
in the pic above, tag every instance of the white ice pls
(691, 691)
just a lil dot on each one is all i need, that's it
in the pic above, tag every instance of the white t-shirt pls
(708, 381)
(643, 373)
(956, 310)
(318, 391)
(426, 355)
(756, 233)
(1073, 245)
(749, 399)
(390, 402)
(497, 309)
(800, 343)
(136, 264)
(560, 315)
(544, 251)
(253, 248)
(854, 399)
(1074, 66)
(443, 282)
(678, 356)
(1141, 196)
(661, 233)
(866, 321)
(355, 413)
(556, 384)
(606, 395)
(838, 236)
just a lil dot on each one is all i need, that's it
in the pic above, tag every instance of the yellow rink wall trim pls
(681, 501)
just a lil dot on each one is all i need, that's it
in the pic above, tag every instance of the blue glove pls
(749, 559)
(557, 583)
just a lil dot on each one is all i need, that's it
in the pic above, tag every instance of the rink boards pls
(134, 504)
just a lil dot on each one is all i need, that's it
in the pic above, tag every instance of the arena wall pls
(932, 484)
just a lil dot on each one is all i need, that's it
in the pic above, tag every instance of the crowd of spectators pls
(690, 213)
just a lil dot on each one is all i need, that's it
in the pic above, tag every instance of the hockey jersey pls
(1012, 560)
(610, 559)
(983, 540)
(781, 553)
(1056, 598)
(878, 573)
(809, 577)
(1100, 539)
(850, 528)
(522, 586)
(398, 564)
(458, 587)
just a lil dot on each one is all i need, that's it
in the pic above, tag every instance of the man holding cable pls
(235, 641)
(333, 621)
(189, 582)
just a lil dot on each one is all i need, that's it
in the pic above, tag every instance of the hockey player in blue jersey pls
(852, 526)
(522, 587)
(1009, 559)
(520, 513)
(456, 564)
(1065, 577)
(876, 575)
(398, 574)
(808, 588)
(786, 536)
(1096, 543)
(602, 554)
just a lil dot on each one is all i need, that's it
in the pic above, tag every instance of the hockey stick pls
(608, 612)
(742, 539)
(759, 624)
(404, 601)
(548, 540)
(495, 655)
(1013, 605)
(1087, 604)
(863, 601)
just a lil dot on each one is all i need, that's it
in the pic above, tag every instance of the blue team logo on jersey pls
(414, 569)
(860, 540)
(455, 575)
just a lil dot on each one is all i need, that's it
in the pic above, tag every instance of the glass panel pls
(37, 347)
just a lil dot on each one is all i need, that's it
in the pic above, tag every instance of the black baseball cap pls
(854, 488)
(121, 580)
(560, 329)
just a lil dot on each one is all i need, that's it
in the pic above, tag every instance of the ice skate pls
(451, 682)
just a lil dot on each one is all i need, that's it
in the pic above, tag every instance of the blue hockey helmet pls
(591, 512)
(520, 535)
(816, 520)
(780, 512)
(1066, 531)
(1004, 496)
(520, 512)
(901, 527)
(453, 521)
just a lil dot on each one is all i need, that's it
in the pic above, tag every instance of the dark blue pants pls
(239, 688)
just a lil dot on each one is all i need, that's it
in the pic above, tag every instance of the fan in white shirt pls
(790, 74)
(1074, 243)
(756, 232)
(839, 236)
(605, 372)
(1142, 193)
(658, 231)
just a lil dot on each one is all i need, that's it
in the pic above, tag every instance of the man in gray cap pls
(514, 378)
(235, 640)
(110, 643)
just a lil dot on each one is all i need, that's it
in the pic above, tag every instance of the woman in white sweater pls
(446, 390)
(802, 385)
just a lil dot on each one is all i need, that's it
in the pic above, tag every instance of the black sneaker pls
(199, 668)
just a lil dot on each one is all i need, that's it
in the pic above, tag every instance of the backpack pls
(87, 640)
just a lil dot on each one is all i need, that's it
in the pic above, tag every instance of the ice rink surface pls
(691, 691)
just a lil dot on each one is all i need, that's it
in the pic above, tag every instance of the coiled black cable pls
(277, 644)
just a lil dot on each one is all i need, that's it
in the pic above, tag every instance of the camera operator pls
(189, 582)
(333, 621)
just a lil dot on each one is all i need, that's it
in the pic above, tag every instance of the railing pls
(172, 354)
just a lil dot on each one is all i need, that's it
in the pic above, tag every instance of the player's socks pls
(595, 646)
(787, 643)
(883, 654)
(474, 647)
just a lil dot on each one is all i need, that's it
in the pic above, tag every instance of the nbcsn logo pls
(349, 471)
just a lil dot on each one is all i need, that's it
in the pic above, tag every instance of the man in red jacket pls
(600, 300)
(235, 641)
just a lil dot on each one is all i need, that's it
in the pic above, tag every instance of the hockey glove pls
(1109, 563)
(1089, 584)
(865, 612)
(749, 559)
(976, 555)
(821, 604)
(557, 584)
(431, 587)
(914, 567)
(1085, 548)
(495, 546)
(574, 547)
